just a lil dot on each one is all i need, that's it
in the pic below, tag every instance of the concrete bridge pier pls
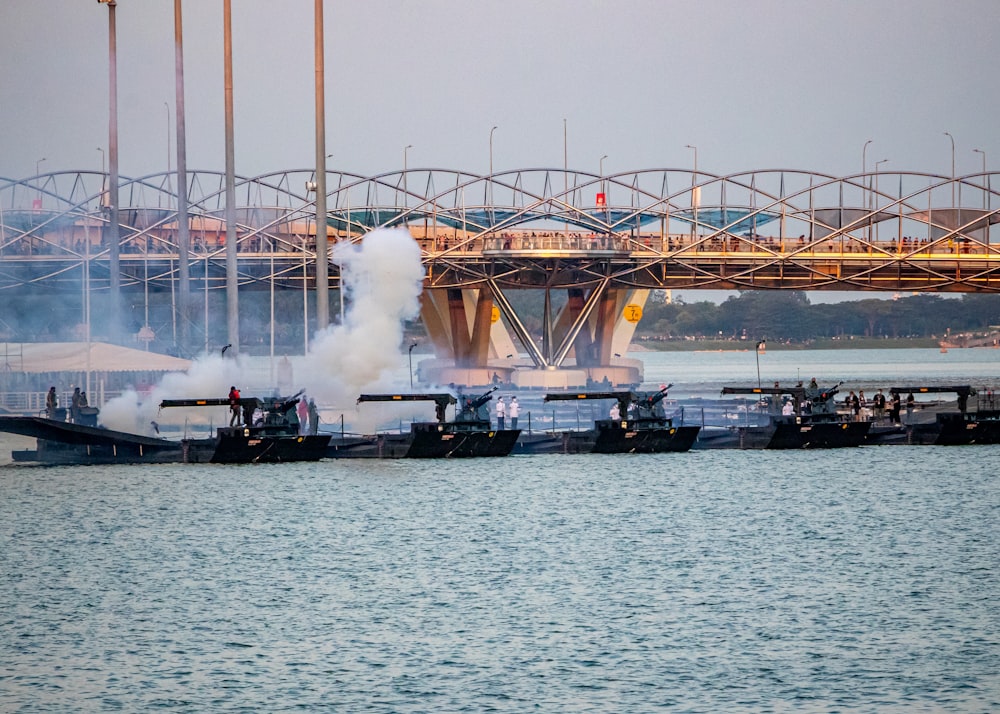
(479, 339)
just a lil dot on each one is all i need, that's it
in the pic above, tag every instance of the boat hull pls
(76, 444)
(610, 437)
(429, 440)
(788, 434)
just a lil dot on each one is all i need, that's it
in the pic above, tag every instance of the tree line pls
(789, 316)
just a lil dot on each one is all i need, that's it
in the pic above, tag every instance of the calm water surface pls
(850, 580)
(857, 580)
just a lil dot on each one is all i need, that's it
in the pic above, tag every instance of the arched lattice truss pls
(662, 228)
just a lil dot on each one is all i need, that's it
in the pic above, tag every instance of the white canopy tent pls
(46, 357)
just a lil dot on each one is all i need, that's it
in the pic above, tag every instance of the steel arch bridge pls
(657, 228)
(604, 239)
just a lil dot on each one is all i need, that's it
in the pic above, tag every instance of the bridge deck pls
(560, 259)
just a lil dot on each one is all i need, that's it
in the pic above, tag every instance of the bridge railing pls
(72, 244)
(528, 241)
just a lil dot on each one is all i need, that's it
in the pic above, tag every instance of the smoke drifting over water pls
(383, 277)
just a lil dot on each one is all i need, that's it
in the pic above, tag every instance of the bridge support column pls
(589, 339)
(471, 344)
(596, 330)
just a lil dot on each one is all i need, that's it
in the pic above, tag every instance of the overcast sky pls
(754, 84)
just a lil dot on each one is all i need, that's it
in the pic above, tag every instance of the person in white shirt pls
(616, 412)
(788, 409)
(501, 412)
(515, 410)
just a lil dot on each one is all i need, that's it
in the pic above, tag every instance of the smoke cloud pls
(383, 278)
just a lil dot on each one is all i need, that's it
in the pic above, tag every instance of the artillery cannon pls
(474, 409)
(441, 401)
(469, 434)
(641, 426)
(813, 422)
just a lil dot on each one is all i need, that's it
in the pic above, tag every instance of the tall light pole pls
(565, 176)
(113, 235)
(864, 170)
(875, 196)
(877, 164)
(232, 277)
(980, 151)
(183, 227)
(695, 200)
(491, 150)
(322, 258)
(38, 170)
(985, 187)
(565, 156)
(491, 165)
(601, 172)
(952, 168)
(405, 197)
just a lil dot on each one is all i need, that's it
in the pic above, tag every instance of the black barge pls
(813, 423)
(638, 426)
(269, 434)
(470, 434)
(957, 427)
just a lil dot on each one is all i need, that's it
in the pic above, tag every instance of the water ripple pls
(864, 580)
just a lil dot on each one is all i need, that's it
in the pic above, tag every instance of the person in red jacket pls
(234, 406)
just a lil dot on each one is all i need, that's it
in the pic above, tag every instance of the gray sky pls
(754, 84)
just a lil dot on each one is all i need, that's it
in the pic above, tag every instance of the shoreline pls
(857, 343)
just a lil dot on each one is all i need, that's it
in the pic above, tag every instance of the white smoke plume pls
(208, 376)
(383, 276)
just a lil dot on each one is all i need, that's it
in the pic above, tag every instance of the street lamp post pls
(875, 197)
(980, 151)
(952, 168)
(760, 346)
(491, 150)
(491, 165)
(566, 172)
(985, 189)
(694, 181)
(864, 157)
(601, 172)
(405, 197)
(38, 170)
(410, 356)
